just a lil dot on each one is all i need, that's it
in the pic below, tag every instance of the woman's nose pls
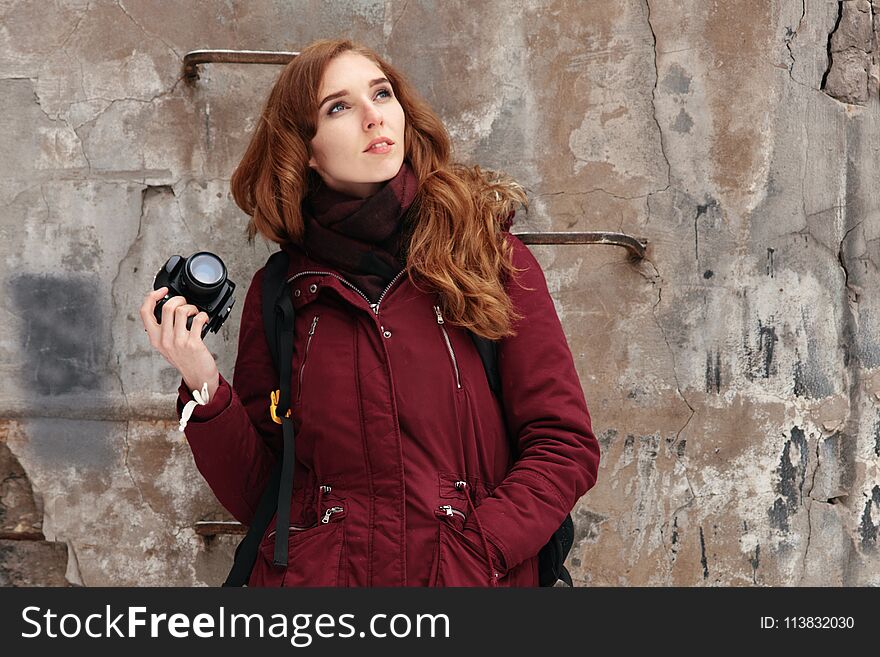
(372, 118)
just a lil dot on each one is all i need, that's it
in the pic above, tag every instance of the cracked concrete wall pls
(733, 375)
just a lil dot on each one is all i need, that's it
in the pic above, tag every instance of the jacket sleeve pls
(233, 439)
(545, 409)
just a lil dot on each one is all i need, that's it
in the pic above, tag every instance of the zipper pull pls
(314, 324)
(375, 307)
(449, 511)
(329, 512)
(325, 489)
(439, 316)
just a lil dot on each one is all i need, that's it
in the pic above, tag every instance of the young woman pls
(406, 472)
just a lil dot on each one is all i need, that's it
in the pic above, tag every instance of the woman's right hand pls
(182, 348)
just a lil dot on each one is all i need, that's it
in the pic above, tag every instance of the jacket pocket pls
(458, 562)
(305, 358)
(442, 324)
(315, 556)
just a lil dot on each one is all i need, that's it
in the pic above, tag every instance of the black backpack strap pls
(273, 287)
(274, 283)
(246, 552)
(284, 327)
(488, 350)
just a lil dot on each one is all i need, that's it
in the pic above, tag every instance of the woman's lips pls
(380, 150)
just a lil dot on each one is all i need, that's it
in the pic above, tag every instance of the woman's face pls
(356, 106)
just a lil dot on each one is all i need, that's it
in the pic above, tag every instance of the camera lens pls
(204, 272)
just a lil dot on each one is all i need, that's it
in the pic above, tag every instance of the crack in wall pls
(147, 34)
(808, 500)
(674, 365)
(397, 20)
(851, 53)
(595, 190)
(789, 37)
(128, 471)
(828, 45)
(73, 574)
(55, 119)
(654, 97)
(75, 27)
(852, 292)
(656, 281)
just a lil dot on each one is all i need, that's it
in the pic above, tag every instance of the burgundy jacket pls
(404, 474)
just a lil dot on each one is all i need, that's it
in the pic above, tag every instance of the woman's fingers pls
(147, 316)
(168, 311)
(181, 332)
(198, 324)
(181, 347)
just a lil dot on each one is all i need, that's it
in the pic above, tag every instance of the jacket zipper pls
(305, 357)
(373, 306)
(450, 511)
(448, 344)
(293, 528)
(329, 512)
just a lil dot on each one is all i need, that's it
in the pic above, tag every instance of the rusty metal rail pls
(192, 59)
(635, 245)
(216, 527)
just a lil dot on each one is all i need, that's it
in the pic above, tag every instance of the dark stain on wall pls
(868, 529)
(605, 439)
(877, 438)
(791, 480)
(809, 380)
(683, 122)
(713, 372)
(869, 348)
(680, 447)
(586, 526)
(62, 332)
(760, 356)
(677, 80)
(707, 210)
(703, 561)
(628, 443)
(755, 561)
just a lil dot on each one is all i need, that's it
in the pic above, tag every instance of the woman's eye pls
(332, 109)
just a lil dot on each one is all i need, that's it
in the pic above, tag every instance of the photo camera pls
(201, 279)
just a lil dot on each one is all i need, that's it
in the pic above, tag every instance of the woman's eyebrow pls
(344, 92)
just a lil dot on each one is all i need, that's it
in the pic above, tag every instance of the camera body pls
(201, 279)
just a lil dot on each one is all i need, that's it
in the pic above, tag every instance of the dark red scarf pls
(365, 239)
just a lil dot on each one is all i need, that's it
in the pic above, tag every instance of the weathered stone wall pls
(733, 376)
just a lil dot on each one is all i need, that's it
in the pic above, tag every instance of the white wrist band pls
(199, 398)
